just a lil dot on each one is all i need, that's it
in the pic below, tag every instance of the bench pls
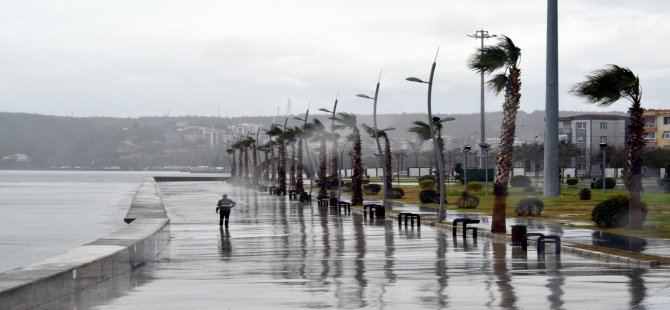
(322, 201)
(377, 211)
(411, 217)
(293, 194)
(465, 223)
(344, 205)
(280, 191)
(305, 197)
(271, 190)
(541, 242)
(548, 239)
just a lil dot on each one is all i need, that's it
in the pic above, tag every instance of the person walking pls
(223, 209)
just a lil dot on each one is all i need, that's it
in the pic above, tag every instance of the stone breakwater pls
(145, 236)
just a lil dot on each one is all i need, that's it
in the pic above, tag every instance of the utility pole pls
(552, 187)
(482, 34)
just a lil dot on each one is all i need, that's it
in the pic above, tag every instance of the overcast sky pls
(248, 57)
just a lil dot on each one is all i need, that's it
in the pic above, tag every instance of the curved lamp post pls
(379, 147)
(485, 152)
(440, 167)
(334, 146)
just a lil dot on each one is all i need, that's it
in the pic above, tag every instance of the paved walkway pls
(279, 254)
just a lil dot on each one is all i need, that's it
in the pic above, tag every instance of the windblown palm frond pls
(606, 86)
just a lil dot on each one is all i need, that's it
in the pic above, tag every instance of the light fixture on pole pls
(440, 166)
(481, 34)
(466, 149)
(603, 148)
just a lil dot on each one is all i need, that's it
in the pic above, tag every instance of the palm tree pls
(275, 131)
(347, 120)
(489, 59)
(604, 87)
(299, 135)
(388, 157)
(422, 132)
(308, 130)
(246, 143)
(231, 151)
(566, 152)
(530, 153)
(318, 131)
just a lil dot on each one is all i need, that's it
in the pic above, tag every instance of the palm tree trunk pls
(299, 186)
(357, 175)
(438, 181)
(246, 165)
(635, 161)
(323, 182)
(281, 169)
(505, 157)
(388, 166)
(334, 169)
(255, 165)
(292, 166)
(266, 166)
(233, 167)
(240, 168)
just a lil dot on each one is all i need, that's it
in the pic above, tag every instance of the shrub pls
(572, 181)
(427, 184)
(365, 180)
(475, 186)
(613, 212)
(467, 201)
(428, 195)
(372, 189)
(610, 183)
(396, 193)
(529, 207)
(585, 194)
(520, 181)
(425, 177)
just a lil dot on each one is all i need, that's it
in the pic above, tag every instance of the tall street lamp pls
(333, 151)
(603, 148)
(379, 147)
(466, 149)
(482, 34)
(440, 167)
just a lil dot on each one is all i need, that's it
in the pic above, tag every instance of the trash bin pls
(333, 198)
(518, 235)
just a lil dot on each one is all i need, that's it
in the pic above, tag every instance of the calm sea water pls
(45, 213)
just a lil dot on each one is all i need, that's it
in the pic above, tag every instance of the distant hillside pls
(140, 142)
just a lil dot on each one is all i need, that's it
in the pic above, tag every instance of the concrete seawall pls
(60, 276)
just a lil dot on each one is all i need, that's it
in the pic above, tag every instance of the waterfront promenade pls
(284, 255)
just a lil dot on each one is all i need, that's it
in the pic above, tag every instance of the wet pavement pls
(282, 254)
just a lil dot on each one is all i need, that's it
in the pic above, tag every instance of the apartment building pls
(657, 127)
(587, 132)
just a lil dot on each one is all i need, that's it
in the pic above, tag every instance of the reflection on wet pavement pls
(284, 255)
